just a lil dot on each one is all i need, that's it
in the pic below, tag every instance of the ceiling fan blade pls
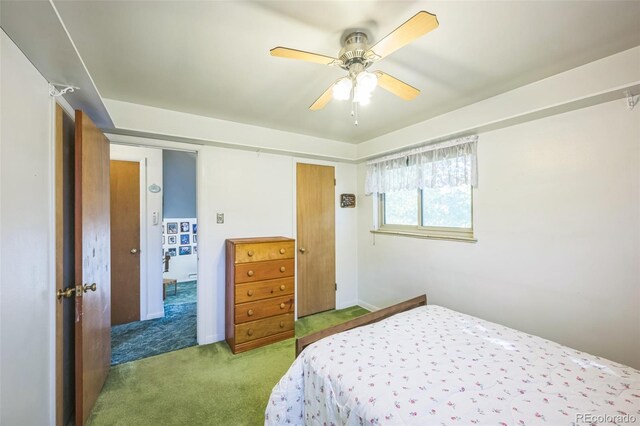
(323, 99)
(418, 25)
(285, 52)
(397, 87)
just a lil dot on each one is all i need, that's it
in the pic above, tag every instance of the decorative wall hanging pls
(347, 200)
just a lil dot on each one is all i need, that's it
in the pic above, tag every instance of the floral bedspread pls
(434, 366)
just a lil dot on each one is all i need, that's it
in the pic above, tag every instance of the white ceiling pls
(212, 58)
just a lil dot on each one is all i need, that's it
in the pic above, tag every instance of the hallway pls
(177, 330)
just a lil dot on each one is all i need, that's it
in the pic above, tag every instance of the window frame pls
(420, 231)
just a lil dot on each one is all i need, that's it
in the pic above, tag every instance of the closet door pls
(316, 238)
(125, 241)
(93, 265)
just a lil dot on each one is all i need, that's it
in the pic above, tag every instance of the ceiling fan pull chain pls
(354, 106)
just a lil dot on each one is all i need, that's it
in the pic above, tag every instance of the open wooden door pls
(92, 265)
(65, 269)
(125, 241)
(316, 216)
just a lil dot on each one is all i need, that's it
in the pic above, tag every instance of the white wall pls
(151, 266)
(557, 218)
(26, 242)
(256, 193)
(179, 126)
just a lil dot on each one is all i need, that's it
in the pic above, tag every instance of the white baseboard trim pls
(343, 305)
(154, 315)
(211, 338)
(368, 306)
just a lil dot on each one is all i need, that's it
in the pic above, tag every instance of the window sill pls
(425, 235)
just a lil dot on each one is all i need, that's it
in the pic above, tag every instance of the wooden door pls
(65, 279)
(92, 264)
(316, 218)
(125, 242)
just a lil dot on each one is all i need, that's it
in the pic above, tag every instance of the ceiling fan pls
(357, 55)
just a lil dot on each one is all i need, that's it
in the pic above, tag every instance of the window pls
(432, 212)
(426, 191)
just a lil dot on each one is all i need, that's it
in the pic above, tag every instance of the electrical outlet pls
(220, 217)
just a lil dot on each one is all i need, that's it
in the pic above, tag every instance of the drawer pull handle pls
(250, 332)
(250, 273)
(282, 305)
(272, 291)
(282, 269)
(250, 293)
(250, 312)
(282, 287)
(282, 251)
(281, 324)
(250, 253)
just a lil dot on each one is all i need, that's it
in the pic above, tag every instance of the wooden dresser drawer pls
(265, 251)
(264, 308)
(272, 269)
(262, 328)
(249, 292)
(260, 291)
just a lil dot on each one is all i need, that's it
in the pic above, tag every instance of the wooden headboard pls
(366, 319)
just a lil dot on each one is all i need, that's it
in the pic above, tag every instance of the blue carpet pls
(177, 330)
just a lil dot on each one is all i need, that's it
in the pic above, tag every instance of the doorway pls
(125, 241)
(159, 307)
(315, 200)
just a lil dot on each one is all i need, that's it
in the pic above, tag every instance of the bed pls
(429, 365)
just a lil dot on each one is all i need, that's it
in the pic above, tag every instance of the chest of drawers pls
(259, 291)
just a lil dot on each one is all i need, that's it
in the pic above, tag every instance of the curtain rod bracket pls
(56, 90)
(632, 100)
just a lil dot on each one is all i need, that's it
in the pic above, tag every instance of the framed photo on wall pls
(195, 228)
(171, 251)
(195, 239)
(184, 250)
(184, 226)
(184, 239)
(172, 227)
(172, 239)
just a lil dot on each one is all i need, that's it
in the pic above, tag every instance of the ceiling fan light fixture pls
(361, 96)
(366, 81)
(342, 89)
(357, 55)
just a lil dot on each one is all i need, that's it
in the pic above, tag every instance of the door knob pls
(301, 250)
(133, 251)
(88, 287)
(67, 293)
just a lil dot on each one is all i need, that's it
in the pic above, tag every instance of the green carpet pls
(203, 385)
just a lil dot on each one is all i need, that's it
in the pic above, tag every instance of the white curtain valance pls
(446, 164)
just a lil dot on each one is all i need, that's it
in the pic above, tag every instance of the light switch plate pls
(220, 217)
